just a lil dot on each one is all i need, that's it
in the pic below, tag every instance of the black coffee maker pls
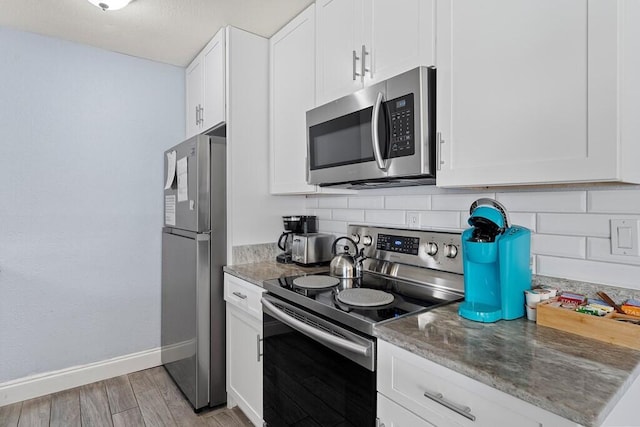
(294, 224)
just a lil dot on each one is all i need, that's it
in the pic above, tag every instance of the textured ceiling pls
(169, 31)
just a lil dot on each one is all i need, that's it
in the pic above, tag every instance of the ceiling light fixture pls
(110, 4)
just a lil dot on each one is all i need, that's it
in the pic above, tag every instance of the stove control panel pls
(437, 250)
(400, 244)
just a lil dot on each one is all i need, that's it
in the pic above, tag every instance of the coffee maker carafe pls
(294, 224)
(495, 258)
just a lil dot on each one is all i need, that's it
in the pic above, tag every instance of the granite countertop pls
(258, 272)
(577, 378)
(574, 377)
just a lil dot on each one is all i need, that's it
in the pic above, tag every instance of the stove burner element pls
(315, 282)
(364, 297)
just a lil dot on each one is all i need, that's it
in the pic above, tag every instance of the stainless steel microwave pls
(382, 135)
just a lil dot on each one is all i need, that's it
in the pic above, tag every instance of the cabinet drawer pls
(244, 295)
(455, 400)
(391, 414)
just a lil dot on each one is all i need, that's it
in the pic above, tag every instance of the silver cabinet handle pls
(197, 115)
(258, 339)
(201, 114)
(465, 411)
(363, 68)
(375, 140)
(239, 295)
(355, 58)
(439, 142)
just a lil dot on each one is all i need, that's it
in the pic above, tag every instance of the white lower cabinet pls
(391, 414)
(438, 396)
(244, 347)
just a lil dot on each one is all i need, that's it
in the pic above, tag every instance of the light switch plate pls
(624, 237)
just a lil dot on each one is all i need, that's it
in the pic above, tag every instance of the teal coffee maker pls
(495, 257)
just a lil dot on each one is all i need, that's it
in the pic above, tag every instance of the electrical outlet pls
(413, 219)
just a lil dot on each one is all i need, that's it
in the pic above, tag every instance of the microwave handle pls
(375, 138)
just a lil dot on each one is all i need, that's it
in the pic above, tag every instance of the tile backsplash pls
(570, 226)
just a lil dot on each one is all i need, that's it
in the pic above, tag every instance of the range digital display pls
(400, 244)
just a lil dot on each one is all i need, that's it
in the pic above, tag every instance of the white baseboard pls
(52, 382)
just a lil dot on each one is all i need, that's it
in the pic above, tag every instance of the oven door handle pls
(317, 334)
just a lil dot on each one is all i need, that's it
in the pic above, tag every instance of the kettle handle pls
(282, 245)
(333, 247)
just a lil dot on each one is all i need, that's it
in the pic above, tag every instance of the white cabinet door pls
(194, 95)
(244, 346)
(360, 42)
(339, 38)
(244, 362)
(526, 91)
(205, 87)
(390, 414)
(446, 398)
(292, 59)
(399, 35)
(213, 56)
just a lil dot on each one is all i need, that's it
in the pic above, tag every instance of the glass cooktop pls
(408, 298)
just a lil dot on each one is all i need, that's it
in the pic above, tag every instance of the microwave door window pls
(342, 141)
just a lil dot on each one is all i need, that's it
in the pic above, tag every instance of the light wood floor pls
(146, 398)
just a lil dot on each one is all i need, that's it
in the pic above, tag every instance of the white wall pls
(571, 234)
(82, 133)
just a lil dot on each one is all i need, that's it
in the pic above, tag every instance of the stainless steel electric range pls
(319, 349)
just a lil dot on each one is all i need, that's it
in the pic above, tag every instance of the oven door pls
(315, 372)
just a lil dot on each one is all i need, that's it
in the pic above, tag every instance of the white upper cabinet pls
(194, 96)
(338, 48)
(214, 102)
(398, 35)
(205, 83)
(528, 92)
(360, 42)
(292, 93)
(292, 59)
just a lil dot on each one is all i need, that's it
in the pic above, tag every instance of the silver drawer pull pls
(239, 295)
(465, 411)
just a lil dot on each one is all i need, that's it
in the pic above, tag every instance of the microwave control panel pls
(401, 124)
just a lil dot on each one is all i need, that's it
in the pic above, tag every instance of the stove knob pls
(355, 237)
(451, 251)
(431, 248)
(367, 240)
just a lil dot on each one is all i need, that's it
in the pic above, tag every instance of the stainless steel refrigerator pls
(193, 254)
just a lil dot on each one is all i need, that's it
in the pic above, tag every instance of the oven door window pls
(346, 140)
(306, 383)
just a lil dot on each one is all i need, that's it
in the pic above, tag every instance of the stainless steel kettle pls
(345, 265)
